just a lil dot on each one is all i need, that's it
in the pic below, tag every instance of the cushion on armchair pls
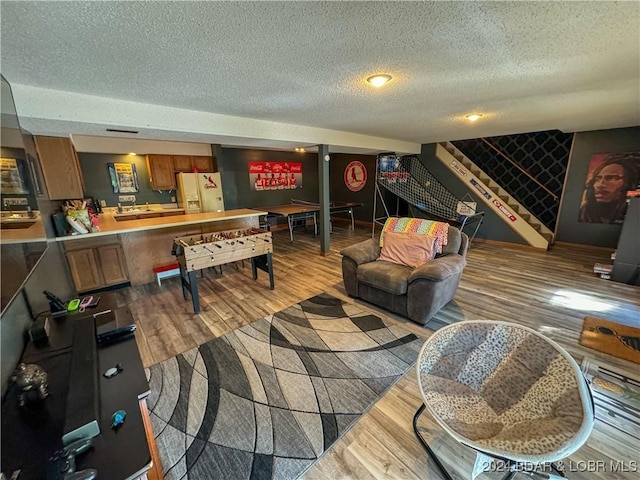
(408, 249)
(417, 226)
(389, 277)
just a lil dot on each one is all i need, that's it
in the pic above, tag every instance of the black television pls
(22, 233)
(23, 239)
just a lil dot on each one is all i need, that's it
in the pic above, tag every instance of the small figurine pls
(30, 378)
(117, 419)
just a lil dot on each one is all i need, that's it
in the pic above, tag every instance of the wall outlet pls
(173, 199)
(103, 203)
(16, 201)
(126, 198)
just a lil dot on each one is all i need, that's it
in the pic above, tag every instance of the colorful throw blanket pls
(417, 225)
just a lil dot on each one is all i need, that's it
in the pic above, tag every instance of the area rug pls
(616, 339)
(268, 399)
(616, 398)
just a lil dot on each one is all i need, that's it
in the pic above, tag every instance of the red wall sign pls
(355, 176)
(275, 175)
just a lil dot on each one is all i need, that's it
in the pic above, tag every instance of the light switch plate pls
(103, 203)
(126, 198)
(173, 199)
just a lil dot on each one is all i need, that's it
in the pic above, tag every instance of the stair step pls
(499, 192)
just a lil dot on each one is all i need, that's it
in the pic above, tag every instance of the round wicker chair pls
(504, 390)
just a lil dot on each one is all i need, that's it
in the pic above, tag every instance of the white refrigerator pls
(200, 192)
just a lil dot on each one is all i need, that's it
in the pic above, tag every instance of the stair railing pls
(531, 177)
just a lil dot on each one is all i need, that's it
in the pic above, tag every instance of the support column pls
(323, 176)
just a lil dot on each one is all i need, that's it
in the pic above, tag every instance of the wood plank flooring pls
(549, 291)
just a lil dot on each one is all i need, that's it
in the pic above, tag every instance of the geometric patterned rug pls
(268, 399)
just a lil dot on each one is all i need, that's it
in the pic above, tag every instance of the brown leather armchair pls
(417, 293)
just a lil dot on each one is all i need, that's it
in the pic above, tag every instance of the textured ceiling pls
(527, 66)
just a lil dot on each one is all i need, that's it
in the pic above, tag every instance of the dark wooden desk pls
(30, 436)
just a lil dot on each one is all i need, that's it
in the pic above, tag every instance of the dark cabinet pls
(626, 266)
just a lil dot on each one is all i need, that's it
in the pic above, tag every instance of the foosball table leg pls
(193, 284)
(263, 262)
(270, 270)
(254, 268)
(183, 281)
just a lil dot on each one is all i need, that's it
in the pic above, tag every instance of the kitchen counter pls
(151, 212)
(33, 233)
(110, 226)
(136, 246)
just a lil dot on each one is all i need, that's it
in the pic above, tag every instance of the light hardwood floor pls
(548, 291)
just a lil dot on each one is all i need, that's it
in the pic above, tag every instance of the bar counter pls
(110, 226)
(33, 233)
(145, 243)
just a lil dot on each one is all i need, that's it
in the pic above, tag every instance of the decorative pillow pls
(417, 225)
(410, 249)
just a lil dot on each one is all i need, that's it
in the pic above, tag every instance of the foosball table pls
(197, 252)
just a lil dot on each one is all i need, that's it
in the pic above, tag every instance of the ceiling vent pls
(135, 132)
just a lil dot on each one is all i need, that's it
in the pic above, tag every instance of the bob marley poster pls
(610, 177)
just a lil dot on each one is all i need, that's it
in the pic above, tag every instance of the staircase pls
(519, 219)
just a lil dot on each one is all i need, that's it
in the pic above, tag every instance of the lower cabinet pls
(111, 263)
(95, 266)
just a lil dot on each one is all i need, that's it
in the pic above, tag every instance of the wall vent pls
(122, 131)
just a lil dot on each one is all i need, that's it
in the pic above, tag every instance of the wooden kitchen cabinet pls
(162, 168)
(204, 164)
(60, 167)
(111, 262)
(84, 269)
(182, 163)
(161, 172)
(96, 263)
(186, 163)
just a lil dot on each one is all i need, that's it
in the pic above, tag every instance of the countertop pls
(110, 226)
(151, 211)
(34, 233)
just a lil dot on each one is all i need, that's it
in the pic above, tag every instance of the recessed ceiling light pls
(379, 80)
(133, 154)
(474, 116)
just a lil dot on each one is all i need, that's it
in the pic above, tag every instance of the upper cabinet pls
(203, 164)
(187, 163)
(162, 168)
(182, 163)
(161, 172)
(60, 167)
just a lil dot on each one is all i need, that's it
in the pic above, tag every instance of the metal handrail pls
(555, 197)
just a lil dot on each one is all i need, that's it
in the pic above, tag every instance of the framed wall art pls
(124, 178)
